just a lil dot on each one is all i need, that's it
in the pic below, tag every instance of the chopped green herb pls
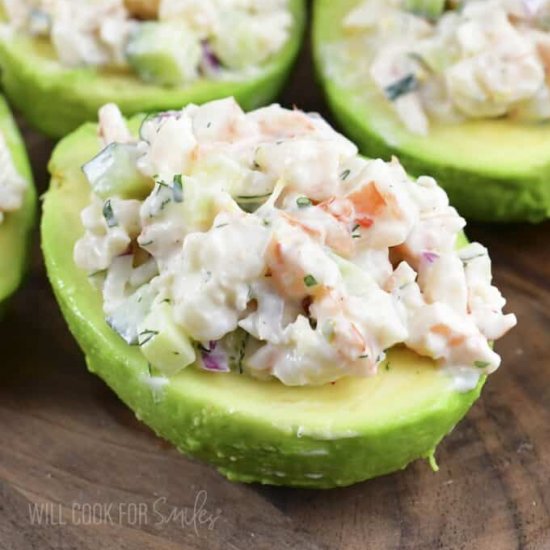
(96, 273)
(146, 336)
(242, 351)
(420, 60)
(150, 369)
(328, 330)
(221, 225)
(430, 9)
(252, 197)
(109, 215)
(401, 87)
(481, 364)
(310, 280)
(303, 202)
(202, 348)
(388, 365)
(364, 356)
(468, 259)
(177, 188)
(345, 175)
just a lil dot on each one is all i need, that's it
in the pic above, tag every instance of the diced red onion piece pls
(214, 359)
(429, 256)
(532, 6)
(210, 61)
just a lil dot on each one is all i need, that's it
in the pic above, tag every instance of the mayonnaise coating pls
(12, 184)
(269, 225)
(207, 38)
(477, 59)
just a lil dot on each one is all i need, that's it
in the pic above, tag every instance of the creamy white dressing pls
(337, 260)
(220, 37)
(478, 59)
(12, 184)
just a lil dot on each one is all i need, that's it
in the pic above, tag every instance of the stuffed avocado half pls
(62, 60)
(265, 298)
(459, 93)
(17, 205)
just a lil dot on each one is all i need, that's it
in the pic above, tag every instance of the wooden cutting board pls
(77, 470)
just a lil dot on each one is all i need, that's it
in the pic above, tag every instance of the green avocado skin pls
(16, 229)
(233, 422)
(57, 100)
(483, 193)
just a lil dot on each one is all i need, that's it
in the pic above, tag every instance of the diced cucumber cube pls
(130, 314)
(164, 344)
(431, 9)
(167, 54)
(237, 343)
(114, 173)
(357, 280)
(243, 44)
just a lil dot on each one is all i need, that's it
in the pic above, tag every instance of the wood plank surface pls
(71, 449)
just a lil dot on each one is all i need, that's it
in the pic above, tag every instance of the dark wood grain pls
(67, 441)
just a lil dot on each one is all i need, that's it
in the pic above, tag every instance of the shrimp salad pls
(165, 42)
(450, 61)
(264, 243)
(12, 184)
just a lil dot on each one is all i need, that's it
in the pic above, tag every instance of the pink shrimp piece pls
(338, 235)
(335, 235)
(330, 309)
(369, 203)
(454, 338)
(287, 276)
(286, 124)
(339, 208)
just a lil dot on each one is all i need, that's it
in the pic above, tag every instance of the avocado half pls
(492, 170)
(57, 100)
(15, 230)
(250, 430)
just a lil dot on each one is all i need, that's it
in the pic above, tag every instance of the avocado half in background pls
(57, 100)
(250, 430)
(16, 228)
(492, 170)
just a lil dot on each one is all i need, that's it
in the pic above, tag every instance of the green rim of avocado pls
(250, 430)
(493, 170)
(15, 230)
(57, 100)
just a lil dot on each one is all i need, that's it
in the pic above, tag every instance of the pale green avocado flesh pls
(252, 431)
(493, 170)
(57, 100)
(16, 228)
